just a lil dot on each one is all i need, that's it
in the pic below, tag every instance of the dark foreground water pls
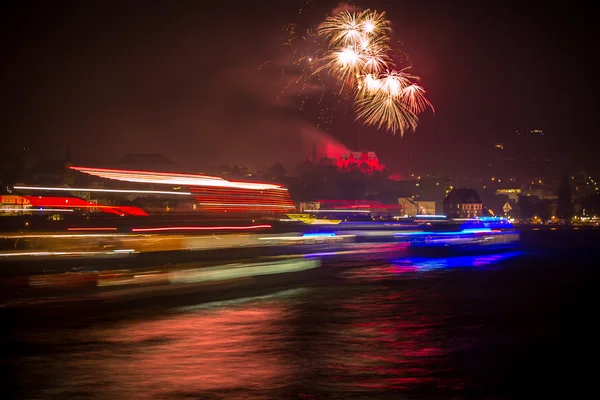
(516, 325)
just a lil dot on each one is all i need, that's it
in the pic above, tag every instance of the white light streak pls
(306, 238)
(36, 209)
(65, 253)
(133, 191)
(172, 179)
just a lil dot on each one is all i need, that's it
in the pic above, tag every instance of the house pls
(463, 203)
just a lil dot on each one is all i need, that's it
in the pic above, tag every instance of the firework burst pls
(385, 111)
(343, 29)
(414, 96)
(353, 47)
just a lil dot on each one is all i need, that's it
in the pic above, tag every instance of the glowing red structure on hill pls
(357, 158)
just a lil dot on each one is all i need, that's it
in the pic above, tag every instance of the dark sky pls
(182, 78)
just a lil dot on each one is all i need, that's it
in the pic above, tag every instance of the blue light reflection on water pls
(424, 264)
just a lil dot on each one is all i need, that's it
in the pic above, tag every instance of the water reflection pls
(424, 264)
(389, 340)
(370, 332)
(236, 350)
(408, 267)
(356, 340)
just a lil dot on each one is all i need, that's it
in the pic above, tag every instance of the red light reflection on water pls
(193, 353)
(392, 344)
(207, 351)
(339, 340)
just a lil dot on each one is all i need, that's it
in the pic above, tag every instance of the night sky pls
(183, 79)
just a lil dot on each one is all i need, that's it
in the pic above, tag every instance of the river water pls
(513, 325)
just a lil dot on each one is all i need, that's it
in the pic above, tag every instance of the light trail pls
(339, 211)
(65, 253)
(200, 228)
(36, 209)
(245, 205)
(92, 229)
(132, 191)
(167, 178)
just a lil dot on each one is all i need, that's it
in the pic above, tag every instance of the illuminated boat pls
(484, 234)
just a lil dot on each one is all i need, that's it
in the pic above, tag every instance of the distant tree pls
(307, 170)
(275, 172)
(543, 209)
(381, 176)
(351, 189)
(366, 169)
(564, 208)
(236, 172)
(327, 161)
(526, 207)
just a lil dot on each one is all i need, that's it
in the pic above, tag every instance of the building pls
(463, 203)
(412, 207)
(541, 192)
(13, 205)
(512, 193)
(308, 206)
(358, 158)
